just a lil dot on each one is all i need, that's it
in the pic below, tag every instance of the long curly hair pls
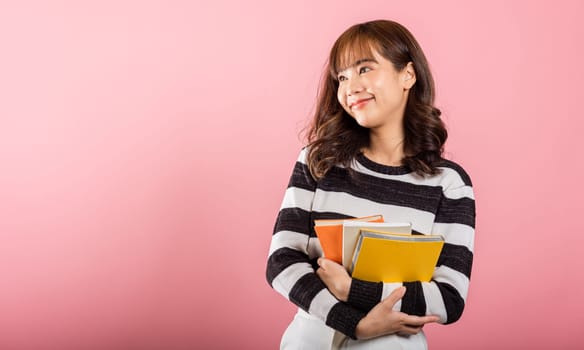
(334, 137)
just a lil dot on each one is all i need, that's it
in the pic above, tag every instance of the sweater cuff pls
(365, 295)
(344, 319)
(413, 302)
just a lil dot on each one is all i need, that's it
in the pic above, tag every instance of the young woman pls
(375, 147)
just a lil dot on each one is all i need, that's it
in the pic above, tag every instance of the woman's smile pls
(360, 103)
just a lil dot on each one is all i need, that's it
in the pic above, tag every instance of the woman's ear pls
(409, 76)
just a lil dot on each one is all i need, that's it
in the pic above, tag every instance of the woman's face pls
(373, 92)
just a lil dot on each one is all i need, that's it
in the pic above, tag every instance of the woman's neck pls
(386, 148)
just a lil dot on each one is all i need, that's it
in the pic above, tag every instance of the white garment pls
(306, 332)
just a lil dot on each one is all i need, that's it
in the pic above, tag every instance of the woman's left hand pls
(335, 277)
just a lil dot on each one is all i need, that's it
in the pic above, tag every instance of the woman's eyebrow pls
(358, 62)
(364, 60)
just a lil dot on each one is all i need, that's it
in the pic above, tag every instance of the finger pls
(319, 272)
(395, 296)
(416, 321)
(408, 330)
(431, 319)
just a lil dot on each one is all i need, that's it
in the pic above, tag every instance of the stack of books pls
(377, 251)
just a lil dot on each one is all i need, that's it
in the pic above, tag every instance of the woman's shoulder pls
(303, 155)
(453, 173)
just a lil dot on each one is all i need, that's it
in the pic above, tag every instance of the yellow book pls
(383, 257)
(352, 231)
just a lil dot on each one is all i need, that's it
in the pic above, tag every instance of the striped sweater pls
(441, 204)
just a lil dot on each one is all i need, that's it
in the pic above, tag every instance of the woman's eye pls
(364, 70)
(342, 78)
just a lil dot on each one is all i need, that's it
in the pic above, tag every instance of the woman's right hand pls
(382, 319)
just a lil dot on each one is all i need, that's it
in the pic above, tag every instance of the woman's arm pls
(289, 268)
(383, 319)
(446, 294)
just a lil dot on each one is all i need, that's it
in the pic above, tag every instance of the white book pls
(351, 231)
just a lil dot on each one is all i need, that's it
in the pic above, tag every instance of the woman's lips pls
(360, 103)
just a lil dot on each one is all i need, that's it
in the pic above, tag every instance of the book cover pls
(382, 257)
(351, 230)
(330, 235)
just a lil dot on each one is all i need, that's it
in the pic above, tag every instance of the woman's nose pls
(354, 86)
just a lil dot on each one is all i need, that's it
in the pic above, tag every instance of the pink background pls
(145, 147)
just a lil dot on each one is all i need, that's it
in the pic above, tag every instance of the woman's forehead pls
(352, 53)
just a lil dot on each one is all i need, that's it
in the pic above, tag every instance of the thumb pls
(395, 296)
(322, 262)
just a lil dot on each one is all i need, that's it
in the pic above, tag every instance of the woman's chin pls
(364, 123)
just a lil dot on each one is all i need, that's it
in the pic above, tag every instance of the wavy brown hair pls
(334, 137)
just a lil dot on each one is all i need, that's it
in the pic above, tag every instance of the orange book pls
(330, 235)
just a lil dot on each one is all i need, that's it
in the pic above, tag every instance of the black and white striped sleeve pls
(446, 294)
(289, 269)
